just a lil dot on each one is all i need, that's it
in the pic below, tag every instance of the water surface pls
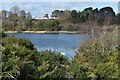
(69, 43)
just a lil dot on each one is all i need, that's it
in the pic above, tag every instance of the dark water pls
(69, 43)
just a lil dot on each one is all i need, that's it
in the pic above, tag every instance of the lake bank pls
(48, 32)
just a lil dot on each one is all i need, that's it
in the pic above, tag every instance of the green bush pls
(97, 58)
(21, 61)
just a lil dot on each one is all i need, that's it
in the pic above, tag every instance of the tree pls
(28, 15)
(16, 54)
(22, 17)
(54, 64)
(56, 13)
(48, 25)
(65, 16)
(107, 11)
(9, 14)
(118, 18)
(3, 14)
(22, 14)
(15, 9)
(97, 58)
(13, 16)
(46, 16)
(87, 12)
(94, 15)
(28, 23)
(74, 15)
(39, 26)
(108, 15)
(21, 61)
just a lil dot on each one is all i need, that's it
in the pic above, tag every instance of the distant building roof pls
(39, 18)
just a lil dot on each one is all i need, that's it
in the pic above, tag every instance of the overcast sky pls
(38, 9)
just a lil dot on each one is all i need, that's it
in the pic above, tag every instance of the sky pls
(38, 9)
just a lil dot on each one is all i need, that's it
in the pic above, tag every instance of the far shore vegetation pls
(84, 21)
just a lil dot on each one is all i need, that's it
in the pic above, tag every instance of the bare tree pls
(28, 16)
(3, 14)
(46, 16)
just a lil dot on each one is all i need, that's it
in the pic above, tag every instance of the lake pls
(69, 43)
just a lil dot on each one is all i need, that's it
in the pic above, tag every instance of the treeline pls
(46, 25)
(68, 20)
(105, 15)
(15, 19)
(87, 19)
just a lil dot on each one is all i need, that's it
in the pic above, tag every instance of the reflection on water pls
(69, 43)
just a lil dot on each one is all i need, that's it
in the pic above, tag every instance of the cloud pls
(30, 8)
(24, 6)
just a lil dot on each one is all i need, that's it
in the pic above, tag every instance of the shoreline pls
(48, 32)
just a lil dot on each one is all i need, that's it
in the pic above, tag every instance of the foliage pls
(97, 58)
(14, 19)
(21, 61)
(28, 23)
(48, 25)
(105, 15)
(71, 27)
(54, 64)
(19, 20)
